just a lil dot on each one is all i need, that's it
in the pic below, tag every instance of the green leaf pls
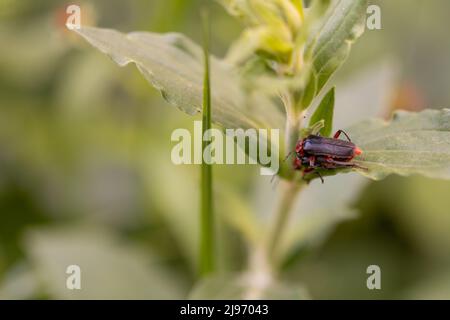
(411, 143)
(309, 92)
(173, 64)
(273, 13)
(245, 286)
(325, 112)
(328, 48)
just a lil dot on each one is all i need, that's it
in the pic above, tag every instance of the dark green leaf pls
(325, 112)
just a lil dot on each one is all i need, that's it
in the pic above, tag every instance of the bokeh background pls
(86, 176)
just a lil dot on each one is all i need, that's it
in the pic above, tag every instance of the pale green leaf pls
(411, 143)
(309, 92)
(330, 45)
(173, 64)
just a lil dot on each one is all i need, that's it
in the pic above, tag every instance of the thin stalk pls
(289, 189)
(293, 125)
(206, 215)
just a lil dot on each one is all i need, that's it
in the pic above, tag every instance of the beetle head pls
(299, 147)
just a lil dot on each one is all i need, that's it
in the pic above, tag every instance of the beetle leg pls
(308, 170)
(312, 170)
(338, 133)
(320, 176)
(343, 163)
(334, 164)
(312, 161)
(305, 172)
(299, 147)
(354, 165)
(350, 165)
(288, 155)
(297, 163)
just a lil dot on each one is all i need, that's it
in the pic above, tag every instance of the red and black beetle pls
(316, 152)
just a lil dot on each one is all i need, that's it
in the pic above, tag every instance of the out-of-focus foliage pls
(241, 286)
(85, 167)
(109, 268)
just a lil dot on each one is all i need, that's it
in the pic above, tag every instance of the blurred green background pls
(86, 176)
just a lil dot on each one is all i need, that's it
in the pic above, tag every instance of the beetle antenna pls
(338, 133)
(345, 134)
(360, 167)
(288, 155)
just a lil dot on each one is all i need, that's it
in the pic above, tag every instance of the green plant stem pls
(289, 189)
(292, 132)
(206, 214)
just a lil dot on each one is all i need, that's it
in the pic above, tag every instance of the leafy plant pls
(288, 52)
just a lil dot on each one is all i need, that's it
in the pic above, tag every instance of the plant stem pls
(289, 191)
(206, 214)
(292, 131)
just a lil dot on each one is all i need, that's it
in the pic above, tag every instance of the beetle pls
(317, 152)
